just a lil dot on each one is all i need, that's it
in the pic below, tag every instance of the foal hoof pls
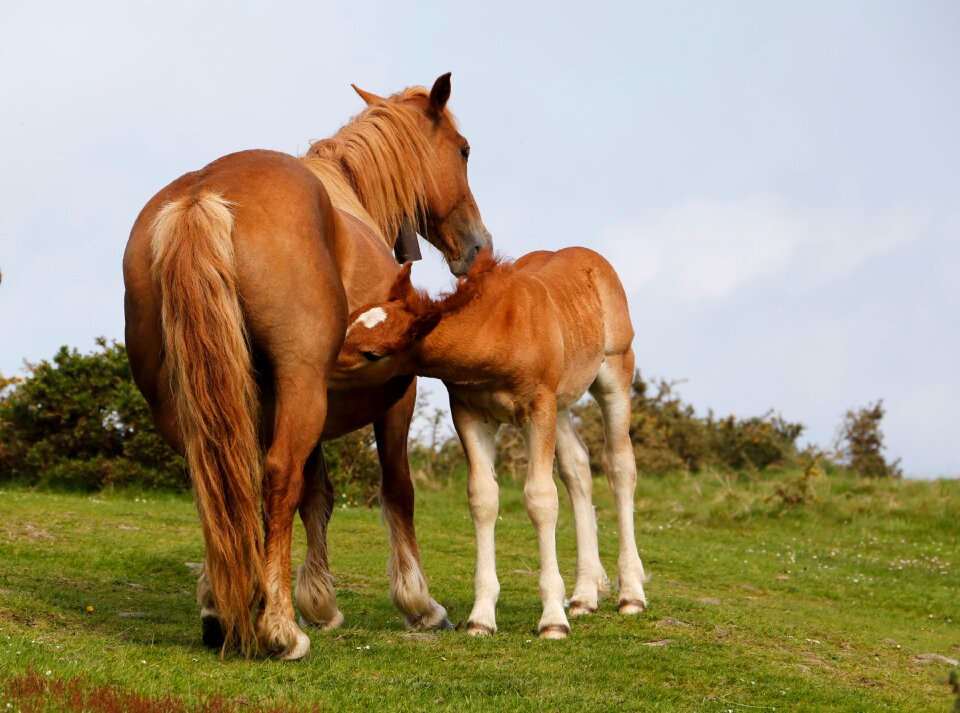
(300, 648)
(555, 631)
(580, 609)
(335, 622)
(479, 629)
(213, 636)
(632, 606)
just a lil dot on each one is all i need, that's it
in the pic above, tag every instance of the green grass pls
(830, 605)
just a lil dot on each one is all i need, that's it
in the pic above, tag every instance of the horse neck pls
(342, 195)
(373, 169)
(442, 353)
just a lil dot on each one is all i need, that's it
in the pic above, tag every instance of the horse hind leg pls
(611, 389)
(211, 628)
(540, 497)
(298, 422)
(408, 584)
(315, 596)
(574, 467)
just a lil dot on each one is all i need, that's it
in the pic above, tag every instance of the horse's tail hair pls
(215, 396)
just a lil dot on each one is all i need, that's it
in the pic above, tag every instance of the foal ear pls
(440, 93)
(401, 285)
(369, 97)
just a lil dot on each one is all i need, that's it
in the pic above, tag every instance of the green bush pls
(668, 436)
(80, 422)
(861, 443)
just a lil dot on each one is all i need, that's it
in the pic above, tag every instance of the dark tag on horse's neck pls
(407, 247)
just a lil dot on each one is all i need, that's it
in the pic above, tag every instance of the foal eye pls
(465, 152)
(372, 356)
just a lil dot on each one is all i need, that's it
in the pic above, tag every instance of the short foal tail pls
(215, 397)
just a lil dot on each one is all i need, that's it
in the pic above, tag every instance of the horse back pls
(586, 295)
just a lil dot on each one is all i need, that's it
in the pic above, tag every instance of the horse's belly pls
(349, 410)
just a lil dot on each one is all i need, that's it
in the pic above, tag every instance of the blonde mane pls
(375, 167)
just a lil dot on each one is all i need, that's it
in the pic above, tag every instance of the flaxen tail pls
(208, 354)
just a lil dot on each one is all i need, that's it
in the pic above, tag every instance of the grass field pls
(846, 603)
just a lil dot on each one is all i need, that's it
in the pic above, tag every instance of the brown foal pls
(521, 343)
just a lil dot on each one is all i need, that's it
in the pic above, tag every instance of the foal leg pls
(540, 495)
(612, 390)
(574, 466)
(301, 408)
(478, 439)
(408, 584)
(315, 595)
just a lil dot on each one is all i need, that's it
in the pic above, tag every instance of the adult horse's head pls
(447, 214)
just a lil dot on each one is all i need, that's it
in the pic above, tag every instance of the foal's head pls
(449, 219)
(380, 339)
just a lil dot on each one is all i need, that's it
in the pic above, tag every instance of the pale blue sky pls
(778, 184)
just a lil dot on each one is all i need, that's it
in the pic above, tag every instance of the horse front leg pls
(408, 584)
(315, 595)
(540, 496)
(478, 439)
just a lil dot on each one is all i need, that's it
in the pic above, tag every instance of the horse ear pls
(401, 285)
(369, 97)
(440, 93)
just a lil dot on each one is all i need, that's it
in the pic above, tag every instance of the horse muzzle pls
(477, 240)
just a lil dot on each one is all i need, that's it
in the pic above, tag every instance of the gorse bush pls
(668, 436)
(80, 422)
(860, 443)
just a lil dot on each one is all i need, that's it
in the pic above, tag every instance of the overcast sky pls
(778, 184)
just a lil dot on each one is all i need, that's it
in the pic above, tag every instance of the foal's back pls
(587, 302)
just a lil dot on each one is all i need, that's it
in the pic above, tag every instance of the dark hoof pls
(632, 606)
(213, 636)
(479, 629)
(554, 632)
(444, 625)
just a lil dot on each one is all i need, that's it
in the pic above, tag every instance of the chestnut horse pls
(521, 343)
(239, 280)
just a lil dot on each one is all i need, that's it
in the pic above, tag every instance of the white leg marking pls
(478, 439)
(574, 467)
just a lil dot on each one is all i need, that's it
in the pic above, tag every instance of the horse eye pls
(372, 356)
(465, 152)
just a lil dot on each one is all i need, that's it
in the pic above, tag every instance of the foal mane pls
(486, 269)
(375, 167)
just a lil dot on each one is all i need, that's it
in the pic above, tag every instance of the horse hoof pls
(555, 631)
(632, 606)
(581, 609)
(444, 625)
(479, 629)
(299, 649)
(335, 622)
(212, 632)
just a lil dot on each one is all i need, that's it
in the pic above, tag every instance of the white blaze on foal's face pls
(370, 319)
